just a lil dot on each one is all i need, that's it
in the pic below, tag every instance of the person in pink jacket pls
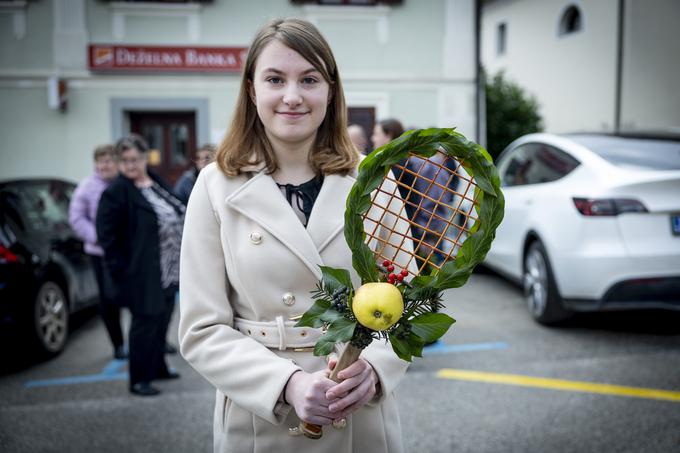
(82, 216)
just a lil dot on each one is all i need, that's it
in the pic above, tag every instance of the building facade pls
(593, 65)
(78, 73)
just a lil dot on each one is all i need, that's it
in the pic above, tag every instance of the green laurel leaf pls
(335, 278)
(312, 317)
(431, 326)
(341, 330)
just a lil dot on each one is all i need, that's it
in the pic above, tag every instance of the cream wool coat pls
(225, 274)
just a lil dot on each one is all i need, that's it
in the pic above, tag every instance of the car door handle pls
(529, 202)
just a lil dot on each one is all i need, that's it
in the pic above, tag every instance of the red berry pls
(400, 277)
(390, 268)
(392, 276)
(404, 272)
(386, 263)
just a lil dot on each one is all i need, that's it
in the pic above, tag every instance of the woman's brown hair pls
(107, 150)
(391, 127)
(246, 143)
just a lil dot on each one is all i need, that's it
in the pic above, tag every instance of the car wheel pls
(50, 318)
(543, 299)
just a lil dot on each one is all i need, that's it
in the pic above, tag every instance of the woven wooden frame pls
(438, 226)
(441, 185)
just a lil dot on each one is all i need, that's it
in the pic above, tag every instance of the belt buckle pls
(307, 349)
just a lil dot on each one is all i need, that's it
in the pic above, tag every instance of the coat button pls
(288, 299)
(256, 237)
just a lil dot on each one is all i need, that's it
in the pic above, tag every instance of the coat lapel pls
(327, 219)
(261, 200)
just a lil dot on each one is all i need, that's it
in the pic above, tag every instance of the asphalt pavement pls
(497, 382)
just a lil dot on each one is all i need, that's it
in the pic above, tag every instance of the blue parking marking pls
(112, 372)
(114, 367)
(440, 347)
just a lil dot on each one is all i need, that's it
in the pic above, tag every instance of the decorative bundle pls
(412, 236)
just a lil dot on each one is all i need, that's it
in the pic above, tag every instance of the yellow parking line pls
(559, 384)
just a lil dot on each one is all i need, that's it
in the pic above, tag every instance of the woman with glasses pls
(139, 225)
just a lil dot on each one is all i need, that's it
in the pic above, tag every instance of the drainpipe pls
(619, 68)
(480, 131)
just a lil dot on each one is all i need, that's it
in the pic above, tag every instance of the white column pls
(456, 106)
(69, 37)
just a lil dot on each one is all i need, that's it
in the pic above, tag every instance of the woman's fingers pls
(306, 392)
(351, 377)
(332, 362)
(356, 390)
(354, 369)
(356, 398)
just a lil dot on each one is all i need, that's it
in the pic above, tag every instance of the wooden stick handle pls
(349, 355)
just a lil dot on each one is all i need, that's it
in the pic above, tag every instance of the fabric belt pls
(280, 334)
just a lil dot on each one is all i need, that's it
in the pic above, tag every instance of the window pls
(571, 21)
(501, 37)
(634, 153)
(40, 205)
(536, 163)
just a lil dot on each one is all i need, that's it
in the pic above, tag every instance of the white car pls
(592, 222)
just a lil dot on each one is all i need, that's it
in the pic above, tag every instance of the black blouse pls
(302, 197)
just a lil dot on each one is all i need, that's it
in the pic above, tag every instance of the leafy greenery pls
(339, 331)
(420, 322)
(431, 326)
(510, 113)
(425, 143)
(417, 326)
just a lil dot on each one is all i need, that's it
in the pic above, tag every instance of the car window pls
(634, 153)
(42, 205)
(535, 163)
(513, 169)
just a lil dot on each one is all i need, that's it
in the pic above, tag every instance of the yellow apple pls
(377, 306)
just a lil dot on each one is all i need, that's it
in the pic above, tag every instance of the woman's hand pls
(357, 387)
(306, 392)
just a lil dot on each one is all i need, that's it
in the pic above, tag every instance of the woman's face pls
(291, 96)
(379, 137)
(106, 167)
(133, 164)
(203, 158)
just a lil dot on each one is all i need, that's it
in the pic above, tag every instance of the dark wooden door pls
(172, 140)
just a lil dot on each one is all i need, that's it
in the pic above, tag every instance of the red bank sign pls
(108, 58)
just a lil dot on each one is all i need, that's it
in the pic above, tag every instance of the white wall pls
(572, 76)
(651, 66)
(412, 62)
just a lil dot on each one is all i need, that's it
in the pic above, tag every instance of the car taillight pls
(7, 256)
(608, 206)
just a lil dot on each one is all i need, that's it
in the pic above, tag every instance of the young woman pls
(139, 224)
(385, 131)
(260, 221)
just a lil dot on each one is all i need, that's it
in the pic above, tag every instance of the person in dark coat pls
(185, 183)
(139, 225)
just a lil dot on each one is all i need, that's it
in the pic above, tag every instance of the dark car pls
(44, 274)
